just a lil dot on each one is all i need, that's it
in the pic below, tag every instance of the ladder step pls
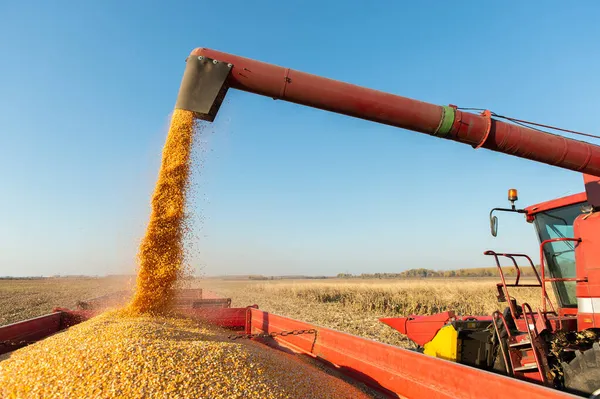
(527, 367)
(524, 342)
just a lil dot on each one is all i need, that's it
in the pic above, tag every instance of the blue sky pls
(87, 89)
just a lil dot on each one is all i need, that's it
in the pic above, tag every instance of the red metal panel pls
(223, 317)
(567, 312)
(344, 98)
(587, 253)
(420, 329)
(556, 203)
(587, 320)
(406, 373)
(16, 335)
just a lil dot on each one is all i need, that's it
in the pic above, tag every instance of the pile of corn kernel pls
(161, 251)
(115, 355)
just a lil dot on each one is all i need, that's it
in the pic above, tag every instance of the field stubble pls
(352, 306)
(22, 299)
(355, 306)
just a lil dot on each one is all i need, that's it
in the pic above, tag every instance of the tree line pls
(428, 273)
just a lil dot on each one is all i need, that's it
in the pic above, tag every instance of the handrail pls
(505, 286)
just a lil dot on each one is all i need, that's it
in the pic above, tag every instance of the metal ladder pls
(524, 358)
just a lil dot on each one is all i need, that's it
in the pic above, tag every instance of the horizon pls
(278, 188)
(525, 270)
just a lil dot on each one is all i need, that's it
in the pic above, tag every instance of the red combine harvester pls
(550, 352)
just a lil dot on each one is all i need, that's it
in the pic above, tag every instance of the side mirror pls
(512, 197)
(494, 225)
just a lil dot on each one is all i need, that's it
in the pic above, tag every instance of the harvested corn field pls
(22, 299)
(116, 356)
(352, 306)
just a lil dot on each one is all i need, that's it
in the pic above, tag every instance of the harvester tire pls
(582, 374)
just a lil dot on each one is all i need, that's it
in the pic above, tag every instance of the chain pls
(272, 334)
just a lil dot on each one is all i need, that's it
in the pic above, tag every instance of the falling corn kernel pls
(161, 252)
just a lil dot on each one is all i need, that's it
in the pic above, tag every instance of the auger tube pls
(207, 86)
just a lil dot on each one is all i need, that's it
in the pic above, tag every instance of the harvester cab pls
(553, 345)
(553, 222)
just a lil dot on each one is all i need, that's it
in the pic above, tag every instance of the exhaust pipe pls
(203, 87)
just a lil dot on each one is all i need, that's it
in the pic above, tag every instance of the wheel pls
(582, 374)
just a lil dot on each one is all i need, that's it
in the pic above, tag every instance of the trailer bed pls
(391, 371)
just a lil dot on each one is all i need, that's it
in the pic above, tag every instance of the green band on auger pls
(446, 122)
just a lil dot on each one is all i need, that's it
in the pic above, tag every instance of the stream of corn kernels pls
(141, 350)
